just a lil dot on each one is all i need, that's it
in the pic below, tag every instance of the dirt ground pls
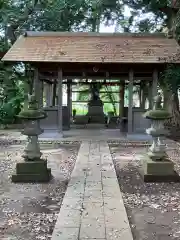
(29, 211)
(153, 208)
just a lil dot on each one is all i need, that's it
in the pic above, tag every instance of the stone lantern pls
(34, 168)
(157, 167)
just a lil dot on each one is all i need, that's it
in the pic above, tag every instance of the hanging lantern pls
(95, 69)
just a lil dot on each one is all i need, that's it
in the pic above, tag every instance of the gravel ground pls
(29, 211)
(153, 208)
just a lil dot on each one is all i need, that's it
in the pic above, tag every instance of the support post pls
(143, 94)
(51, 94)
(140, 94)
(26, 94)
(48, 94)
(59, 85)
(150, 95)
(121, 98)
(69, 97)
(130, 105)
(54, 94)
(36, 85)
(154, 84)
(41, 91)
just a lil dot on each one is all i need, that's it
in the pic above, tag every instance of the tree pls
(170, 84)
(15, 16)
(163, 16)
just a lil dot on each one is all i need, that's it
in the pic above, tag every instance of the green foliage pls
(170, 78)
(148, 5)
(11, 96)
(106, 94)
(72, 15)
(9, 110)
(150, 15)
(44, 15)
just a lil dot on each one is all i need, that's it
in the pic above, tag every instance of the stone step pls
(95, 126)
(93, 206)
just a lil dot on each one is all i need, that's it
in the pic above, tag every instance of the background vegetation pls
(16, 16)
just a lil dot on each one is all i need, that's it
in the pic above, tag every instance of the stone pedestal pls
(32, 171)
(158, 171)
(95, 111)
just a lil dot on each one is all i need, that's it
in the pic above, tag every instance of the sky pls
(111, 29)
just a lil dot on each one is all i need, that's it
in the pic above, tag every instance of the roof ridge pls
(89, 34)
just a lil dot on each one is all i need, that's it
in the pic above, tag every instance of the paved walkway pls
(93, 207)
(79, 135)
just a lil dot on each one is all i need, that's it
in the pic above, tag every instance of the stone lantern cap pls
(33, 112)
(157, 113)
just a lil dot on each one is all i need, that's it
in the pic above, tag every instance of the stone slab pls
(93, 207)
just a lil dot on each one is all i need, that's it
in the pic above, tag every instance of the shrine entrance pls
(90, 103)
(94, 103)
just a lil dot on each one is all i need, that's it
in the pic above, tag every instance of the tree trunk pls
(110, 96)
(26, 95)
(11, 29)
(173, 124)
(176, 99)
(144, 95)
(121, 98)
(166, 96)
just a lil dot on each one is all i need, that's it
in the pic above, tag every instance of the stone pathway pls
(93, 207)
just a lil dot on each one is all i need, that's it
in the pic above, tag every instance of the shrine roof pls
(80, 47)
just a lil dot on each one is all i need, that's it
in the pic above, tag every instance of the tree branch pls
(11, 29)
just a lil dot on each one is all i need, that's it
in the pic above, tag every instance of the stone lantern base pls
(32, 172)
(159, 170)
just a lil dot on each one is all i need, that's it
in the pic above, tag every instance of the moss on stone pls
(32, 114)
(158, 114)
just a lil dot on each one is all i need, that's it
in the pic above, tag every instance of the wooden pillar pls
(47, 88)
(140, 94)
(150, 95)
(69, 96)
(59, 86)
(54, 94)
(26, 95)
(143, 94)
(130, 105)
(121, 98)
(154, 84)
(41, 90)
(36, 85)
(51, 94)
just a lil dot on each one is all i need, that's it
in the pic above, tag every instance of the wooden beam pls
(74, 69)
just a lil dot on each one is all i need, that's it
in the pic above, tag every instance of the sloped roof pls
(2, 54)
(93, 48)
